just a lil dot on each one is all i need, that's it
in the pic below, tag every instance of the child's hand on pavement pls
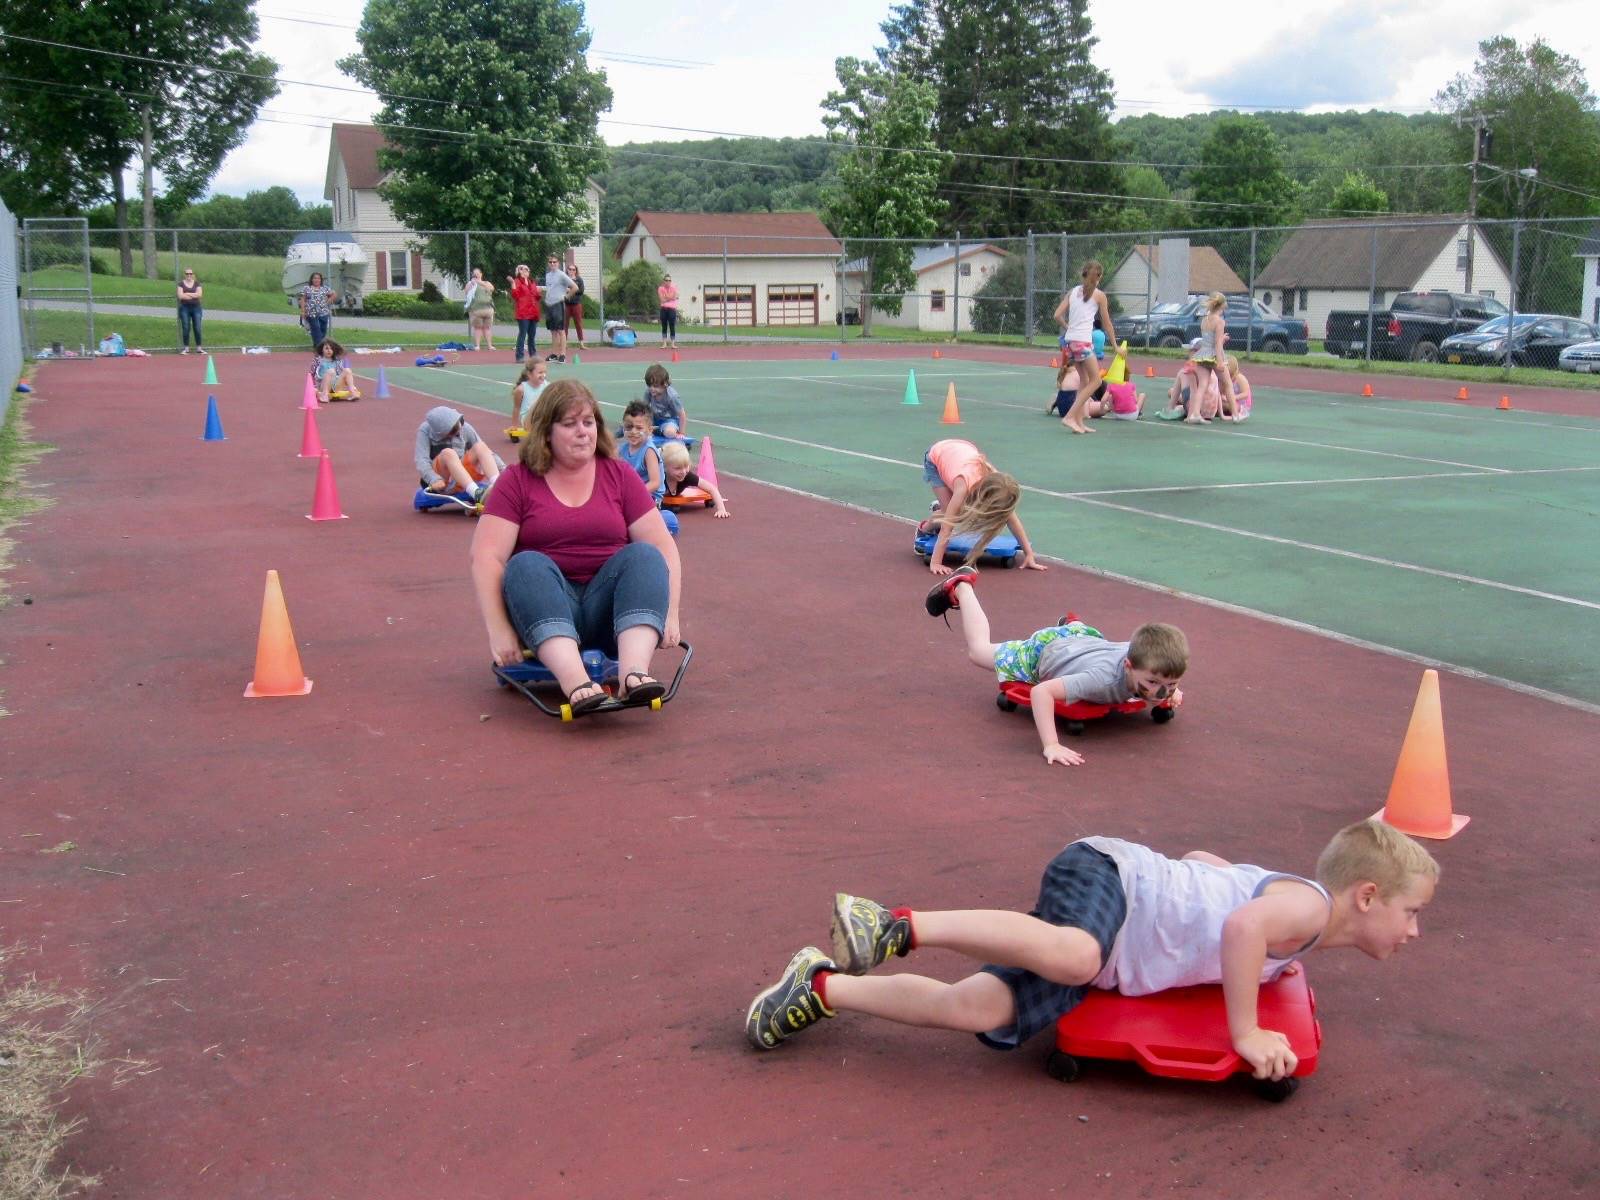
(1267, 1051)
(938, 568)
(1055, 753)
(1030, 563)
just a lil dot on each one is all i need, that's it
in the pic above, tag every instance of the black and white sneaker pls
(865, 934)
(789, 1005)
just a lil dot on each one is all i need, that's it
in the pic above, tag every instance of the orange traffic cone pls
(952, 414)
(1461, 394)
(1055, 361)
(1366, 389)
(325, 500)
(1419, 796)
(938, 353)
(674, 356)
(310, 441)
(706, 468)
(278, 670)
(1505, 403)
(1149, 372)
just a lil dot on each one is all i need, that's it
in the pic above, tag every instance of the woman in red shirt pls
(570, 553)
(525, 299)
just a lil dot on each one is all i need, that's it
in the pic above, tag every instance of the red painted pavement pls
(379, 945)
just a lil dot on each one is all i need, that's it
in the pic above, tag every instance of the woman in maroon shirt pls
(571, 553)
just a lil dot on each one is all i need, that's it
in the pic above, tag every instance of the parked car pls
(1410, 328)
(1250, 326)
(1585, 356)
(1537, 340)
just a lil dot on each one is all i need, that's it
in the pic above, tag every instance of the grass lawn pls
(247, 272)
(112, 289)
(161, 333)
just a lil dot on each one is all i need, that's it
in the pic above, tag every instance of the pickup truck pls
(1250, 326)
(1410, 328)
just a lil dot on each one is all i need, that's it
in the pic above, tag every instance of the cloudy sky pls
(751, 68)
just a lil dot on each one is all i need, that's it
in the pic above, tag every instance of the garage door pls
(792, 304)
(737, 301)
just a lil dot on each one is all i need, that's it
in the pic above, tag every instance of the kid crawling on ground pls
(1116, 915)
(1067, 662)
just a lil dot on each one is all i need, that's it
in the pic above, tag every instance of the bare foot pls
(1076, 427)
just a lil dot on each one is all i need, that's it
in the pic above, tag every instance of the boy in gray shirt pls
(1067, 663)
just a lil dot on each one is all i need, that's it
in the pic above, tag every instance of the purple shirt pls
(580, 539)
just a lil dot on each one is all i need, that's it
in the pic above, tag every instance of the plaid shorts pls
(1081, 889)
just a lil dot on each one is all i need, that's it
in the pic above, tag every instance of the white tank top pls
(1081, 312)
(1172, 936)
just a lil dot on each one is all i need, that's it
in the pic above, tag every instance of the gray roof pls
(924, 257)
(1338, 254)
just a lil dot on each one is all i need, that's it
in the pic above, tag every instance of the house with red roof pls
(393, 263)
(755, 268)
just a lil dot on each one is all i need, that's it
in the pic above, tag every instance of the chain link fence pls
(11, 353)
(1329, 287)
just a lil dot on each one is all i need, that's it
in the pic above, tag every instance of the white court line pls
(1522, 421)
(790, 378)
(1226, 606)
(1268, 483)
(1443, 462)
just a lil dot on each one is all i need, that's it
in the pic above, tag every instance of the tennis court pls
(1462, 536)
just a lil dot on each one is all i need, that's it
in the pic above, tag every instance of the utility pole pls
(1482, 139)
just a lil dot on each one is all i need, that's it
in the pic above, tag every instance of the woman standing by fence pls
(316, 308)
(190, 311)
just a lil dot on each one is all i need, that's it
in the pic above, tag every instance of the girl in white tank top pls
(1075, 315)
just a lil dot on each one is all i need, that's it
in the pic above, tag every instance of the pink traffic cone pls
(309, 398)
(325, 503)
(310, 442)
(707, 468)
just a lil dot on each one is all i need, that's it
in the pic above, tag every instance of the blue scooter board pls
(1002, 551)
(459, 501)
(531, 675)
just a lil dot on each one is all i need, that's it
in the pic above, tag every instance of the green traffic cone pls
(911, 388)
(577, 360)
(211, 372)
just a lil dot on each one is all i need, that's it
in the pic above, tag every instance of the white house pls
(1589, 252)
(1137, 282)
(393, 264)
(947, 284)
(1330, 266)
(751, 268)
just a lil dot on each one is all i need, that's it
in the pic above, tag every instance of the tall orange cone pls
(952, 414)
(278, 670)
(1419, 796)
(325, 500)
(310, 440)
(1505, 403)
(706, 468)
(1366, 389)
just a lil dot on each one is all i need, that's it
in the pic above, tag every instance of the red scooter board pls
(1014, 695)
(1183, 1033)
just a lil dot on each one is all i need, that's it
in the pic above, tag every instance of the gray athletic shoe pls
(789, 1005)
(866, 933)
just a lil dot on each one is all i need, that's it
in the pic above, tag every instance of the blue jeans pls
(527, 332)
(630, 589)
(189, 321)
(319, 329)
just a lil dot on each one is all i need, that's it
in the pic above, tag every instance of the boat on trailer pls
(338, 256)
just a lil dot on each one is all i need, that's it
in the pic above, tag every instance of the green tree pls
(1018, 101)
(1358, 196)
(1541, 116)
(1241, 181)
(889, 178)
(632, 290)
(491, 115)
(72, 121)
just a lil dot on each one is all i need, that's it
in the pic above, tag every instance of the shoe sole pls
(843, 952)
(752, 1017)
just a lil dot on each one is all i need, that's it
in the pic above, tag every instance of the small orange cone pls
(706, 468)
(1055, 361)
(1419, 796)
(278, 670)
(310, 440)
(325, 500)
(674, 356)
(952, 414)
(1366, 389)
(1505, 403)
(1461, 394)
(1149, 372)
(938, 353)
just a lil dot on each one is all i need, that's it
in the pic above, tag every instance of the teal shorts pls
(1018, 662)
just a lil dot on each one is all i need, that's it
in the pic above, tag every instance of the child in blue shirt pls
(661, 398)
(637, 450)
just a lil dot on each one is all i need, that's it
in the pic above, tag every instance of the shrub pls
(632, 290)
(430, 292)
(388, 304)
